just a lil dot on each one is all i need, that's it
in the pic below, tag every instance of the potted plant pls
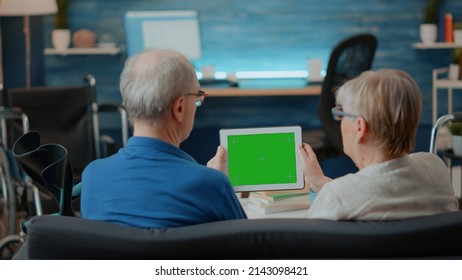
(455, 128)
(428, 28)
(455, 66)
(61, 35)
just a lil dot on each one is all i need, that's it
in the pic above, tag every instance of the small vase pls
(428, 33)
(84, 38)
(457, 145)
(61, 39)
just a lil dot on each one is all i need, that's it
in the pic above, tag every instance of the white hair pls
(390, 102)
(152, 80)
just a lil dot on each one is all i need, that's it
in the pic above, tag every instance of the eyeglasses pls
(200, 97)
(338, 114)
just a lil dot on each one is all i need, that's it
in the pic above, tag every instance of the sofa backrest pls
(438, 236)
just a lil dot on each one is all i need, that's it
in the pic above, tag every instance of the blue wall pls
(262, 35)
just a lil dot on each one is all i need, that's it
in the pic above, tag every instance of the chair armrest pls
(111, 108)
(12, 113)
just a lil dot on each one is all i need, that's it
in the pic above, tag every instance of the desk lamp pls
(27, 8)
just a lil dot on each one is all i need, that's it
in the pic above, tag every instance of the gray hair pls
(152, 80)
(390, 102)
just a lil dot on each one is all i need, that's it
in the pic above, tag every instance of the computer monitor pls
(177, 30)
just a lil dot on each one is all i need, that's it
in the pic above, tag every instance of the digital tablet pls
(262, 159)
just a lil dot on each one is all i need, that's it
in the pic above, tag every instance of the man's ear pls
(178, 108)
(361, 129)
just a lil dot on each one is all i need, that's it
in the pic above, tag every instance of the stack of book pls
(279, 201)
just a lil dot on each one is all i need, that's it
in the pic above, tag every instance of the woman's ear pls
(361, 129)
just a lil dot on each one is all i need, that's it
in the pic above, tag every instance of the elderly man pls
(151, 183)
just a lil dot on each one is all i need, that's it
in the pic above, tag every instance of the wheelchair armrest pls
(108, 146)
(110, 108)
(15, 113)
(12, 113)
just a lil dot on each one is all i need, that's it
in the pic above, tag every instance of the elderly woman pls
(379, 113)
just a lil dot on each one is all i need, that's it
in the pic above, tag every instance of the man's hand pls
(218, 161)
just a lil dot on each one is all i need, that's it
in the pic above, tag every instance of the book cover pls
(289, 200)
(276, 193)
(274, 197)
(279, 208)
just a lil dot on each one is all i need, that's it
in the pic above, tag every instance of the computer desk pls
(236, 91)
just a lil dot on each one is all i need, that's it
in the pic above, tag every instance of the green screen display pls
(257, 159)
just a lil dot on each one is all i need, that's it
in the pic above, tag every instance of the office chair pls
(348, 59)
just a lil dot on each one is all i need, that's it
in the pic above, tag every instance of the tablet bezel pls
(299, 184)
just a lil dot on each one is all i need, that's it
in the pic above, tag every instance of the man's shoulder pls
(205, 172)
(102, 164)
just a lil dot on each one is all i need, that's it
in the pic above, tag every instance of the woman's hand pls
(218, 161)
(311, 168)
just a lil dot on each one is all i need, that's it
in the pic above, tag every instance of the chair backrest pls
(348, 59)
(63, 115)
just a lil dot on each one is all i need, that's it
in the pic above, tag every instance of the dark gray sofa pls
(431, 237)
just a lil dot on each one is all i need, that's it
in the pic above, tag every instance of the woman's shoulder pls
(346, 183)
(425, 157)
(428, 161)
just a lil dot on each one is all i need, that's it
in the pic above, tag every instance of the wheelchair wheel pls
(9, 246)
(7, 195)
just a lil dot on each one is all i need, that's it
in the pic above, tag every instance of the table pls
(236, 91)
(443, 84)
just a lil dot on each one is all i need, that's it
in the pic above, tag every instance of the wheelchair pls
(67, 116)
(17, 193)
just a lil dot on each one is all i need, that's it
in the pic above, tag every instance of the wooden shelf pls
(438, 45)
(83, 51)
